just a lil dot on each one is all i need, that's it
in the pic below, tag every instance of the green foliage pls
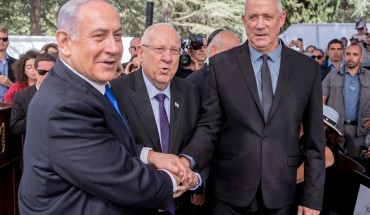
(188, 16)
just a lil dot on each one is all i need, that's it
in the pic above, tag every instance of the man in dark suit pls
(18, 118)
(137, 94)
(257, 96)
(6, 62)
(81, 157)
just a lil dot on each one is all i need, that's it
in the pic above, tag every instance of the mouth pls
(164, 70)
(109, 63)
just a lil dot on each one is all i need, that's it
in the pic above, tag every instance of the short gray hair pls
(68, 16)
(147, 33)
(280, 5)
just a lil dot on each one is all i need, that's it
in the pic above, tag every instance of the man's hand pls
(307, 211)
(198, 199)
(367, 124)
(5, 81)
(168, 162)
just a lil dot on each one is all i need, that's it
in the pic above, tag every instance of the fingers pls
(307, 211)
(180, 190)
(197, 199)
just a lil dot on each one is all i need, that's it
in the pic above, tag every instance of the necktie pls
(165, 135)
(110, 96)
(267, 94)
(164, 124)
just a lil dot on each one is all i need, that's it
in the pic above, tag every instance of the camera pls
(195, 42)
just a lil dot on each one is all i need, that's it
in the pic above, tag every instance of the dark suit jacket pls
(10, 70)
(325, 69)
(79, 157)
(246, 151)
(18, 117)
(134, 102)
(198, 78)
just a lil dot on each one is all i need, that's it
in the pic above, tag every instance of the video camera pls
(195, 42)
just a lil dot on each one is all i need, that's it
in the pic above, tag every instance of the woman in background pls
(25, 74)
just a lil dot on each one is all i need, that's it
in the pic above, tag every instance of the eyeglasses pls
(198, 47)
(317, 56)
(360, 29)
(132, 47)
(4, 39)
(42, 72)
(160, 50)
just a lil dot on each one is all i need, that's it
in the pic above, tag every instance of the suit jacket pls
(134, 102)
(198, 78)
(18, 117)
(81, 158)
(324, 69)
(10, 70)
(247, 152)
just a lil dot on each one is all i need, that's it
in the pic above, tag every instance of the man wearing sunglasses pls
(6, 61)
(318, 55)
(18, 118)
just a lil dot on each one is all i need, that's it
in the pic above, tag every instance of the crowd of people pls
(245, 128)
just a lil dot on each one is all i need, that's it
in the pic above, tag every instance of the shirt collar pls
(274, 55)
(153, 91)
(99, 87)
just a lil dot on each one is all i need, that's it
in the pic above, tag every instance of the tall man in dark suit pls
(138, 92)
(257, 96)
(81, 157)
(18, 118)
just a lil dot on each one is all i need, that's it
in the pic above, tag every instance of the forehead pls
(335, 46)
(164, 37)
(317, 52)
(261, 7)
(353, 49)
(2, 34)
(135, 42)
(45, 64)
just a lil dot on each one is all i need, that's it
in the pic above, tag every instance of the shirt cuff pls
(174, 184)
(199, 182)
(144, 154)
(192, 161)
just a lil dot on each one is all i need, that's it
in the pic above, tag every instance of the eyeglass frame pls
(42, 71)
(161, 50)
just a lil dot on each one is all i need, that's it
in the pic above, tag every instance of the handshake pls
(178, 167)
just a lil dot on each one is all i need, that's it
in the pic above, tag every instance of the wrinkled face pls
(201, 54)
(44, 67)
(318, 57)
(160, 56)
(97, 50)
(29, 69)
(4, 41)
(353, 57)
(335, 52)
(262, 22)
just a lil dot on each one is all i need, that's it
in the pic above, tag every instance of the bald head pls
(223, 41)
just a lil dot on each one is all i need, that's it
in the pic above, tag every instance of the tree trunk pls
(35, 18)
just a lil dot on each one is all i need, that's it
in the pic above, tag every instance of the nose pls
(167, 56)
(260, 23)
(113, 45)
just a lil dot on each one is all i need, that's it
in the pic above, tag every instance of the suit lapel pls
(247, 70)
(284, 75)
(141, 103)
(176, 116)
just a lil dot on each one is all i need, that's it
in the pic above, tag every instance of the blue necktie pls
(165, 135)
(110, 96)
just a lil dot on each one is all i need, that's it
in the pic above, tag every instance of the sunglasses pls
(360, 29)
(4, 39)
(198, 47)
(132, 47)
(42, 72)
(318, 57)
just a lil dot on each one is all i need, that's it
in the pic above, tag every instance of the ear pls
(139, 52)
(63, 41)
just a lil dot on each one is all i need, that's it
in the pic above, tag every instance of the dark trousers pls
(222, 208)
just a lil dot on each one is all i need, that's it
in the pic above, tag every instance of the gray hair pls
(280, 5)
(148, 32)
(68, 16)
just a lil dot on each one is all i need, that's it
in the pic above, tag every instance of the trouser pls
(352, 142)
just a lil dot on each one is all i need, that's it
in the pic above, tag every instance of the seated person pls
(333, 140)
